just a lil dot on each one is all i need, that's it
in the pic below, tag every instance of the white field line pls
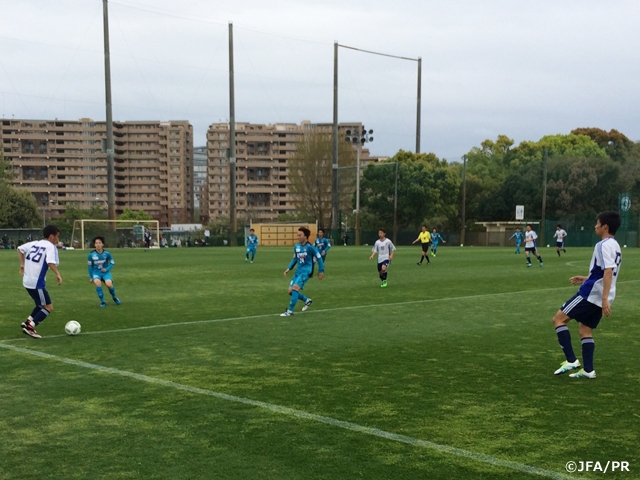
(267, 315)
(291, 412)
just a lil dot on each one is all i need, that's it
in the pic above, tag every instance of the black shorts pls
(530, 249)
(559, 244)
(583, 311)
(40, 296)
(385, 263)
(425, 246)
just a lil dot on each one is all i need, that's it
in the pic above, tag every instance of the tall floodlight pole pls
(464, 198)
(334, 170)
(419, 105)
(232, 147)
(358, 139)
(544, 195)
(111, 186)
(395, 209)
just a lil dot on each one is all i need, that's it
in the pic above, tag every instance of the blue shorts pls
(251, 249)
(299, 279)
(40, 296)
(385, 263)
(583, 311)
(103, 277)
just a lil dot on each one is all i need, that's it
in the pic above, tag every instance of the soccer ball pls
(72, 328)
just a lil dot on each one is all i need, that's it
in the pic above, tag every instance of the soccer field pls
(445, 374)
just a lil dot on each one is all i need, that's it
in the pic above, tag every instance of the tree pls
(427, 188)
(18, 208)
(310, 176)
(617, 145)
(129, 214)
(72, 213)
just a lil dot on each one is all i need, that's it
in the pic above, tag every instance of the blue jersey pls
(436, 238)
(517, 236)
(98, 261)
(322, 245)
(303, 255)
(252, 241)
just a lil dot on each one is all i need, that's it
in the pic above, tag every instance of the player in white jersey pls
(560, 235)
(384, 248)
(35, 259)
(594, 298)
(530, 238)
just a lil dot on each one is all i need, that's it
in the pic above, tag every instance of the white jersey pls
(560, 234)
(37, 257)
(530, 239)
(606, 254)
(383, 248)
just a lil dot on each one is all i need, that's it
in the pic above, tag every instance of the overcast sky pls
(523, 69)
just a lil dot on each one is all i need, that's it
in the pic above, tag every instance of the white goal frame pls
(133, 222)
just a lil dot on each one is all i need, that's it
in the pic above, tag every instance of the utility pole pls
(544, 196)
(464, 198)
(335, 226)
(419, 105)
(111, 185)
(232, 147)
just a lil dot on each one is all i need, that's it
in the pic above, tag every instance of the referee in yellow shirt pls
(424, 237)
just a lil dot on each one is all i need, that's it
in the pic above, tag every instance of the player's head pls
(303, 234)
(252, 231)
(434, 230)
(559, 227)
(610, 220)
(382, 233)
(424, 228)
(518, 229)
(98, 242)
(529, 227)
(51, 233)
(321, 232)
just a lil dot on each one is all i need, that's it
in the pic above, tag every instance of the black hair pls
(559, 226)
(251, 230)
(99, 237)
(306, 231)
(611, 219)
(321, 230)
(384, 231)
(50, 230)
(529, 225)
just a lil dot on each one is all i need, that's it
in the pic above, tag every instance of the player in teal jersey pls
(303, 255)
(100, 263)
(436, 238)
(252, 243)
(518, 236)
(322, 244)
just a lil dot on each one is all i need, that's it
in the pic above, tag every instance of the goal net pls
(127, 234)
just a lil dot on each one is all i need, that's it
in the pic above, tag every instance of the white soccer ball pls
(72, 328)
(625, 246)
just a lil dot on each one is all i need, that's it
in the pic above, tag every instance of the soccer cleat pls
(528, 264)
(28, 329)
(246, 260)
(582, 374)
(564, 251)
(541, 263)
(251, 261)
(566, 366)
(117, 300)
(307, 304)
(287, 313)
(384, 284)
(103, 304)
(419, 263)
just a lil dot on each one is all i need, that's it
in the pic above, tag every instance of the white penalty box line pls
(326, 310)
(292, 412)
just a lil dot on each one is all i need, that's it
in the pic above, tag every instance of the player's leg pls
(421, 254)
(560, 321)
(253, 254)
(43, 302)
(558, 249)
(98, 283)
(589, 319)
(246, 255)
(108, 281)
(538, 256)
(383, 272)
(527, 252)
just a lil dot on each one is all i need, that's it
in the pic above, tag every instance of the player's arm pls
(327, 246)
(291, 265)
(21, 257)
(416, 240)
(374, 252)
(578, 279)
(110, 263)
(607, 279)
(392, 251)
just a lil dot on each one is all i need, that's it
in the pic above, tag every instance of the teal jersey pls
(517, 236)
(322, 245)
(303, 256)
(97, 261)
(436, 238)
(252, 241)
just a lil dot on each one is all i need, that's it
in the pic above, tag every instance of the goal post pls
(84, 229)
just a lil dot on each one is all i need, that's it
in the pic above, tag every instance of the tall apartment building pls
(262, 153)
(61, 163)
(200, 187)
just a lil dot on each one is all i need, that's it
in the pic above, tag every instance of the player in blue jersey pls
(518, 236)
(436, 238)
(252, 244)
(593, 299)
(322, 244)
(303, 255)
(147, 239)
(100, 262)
